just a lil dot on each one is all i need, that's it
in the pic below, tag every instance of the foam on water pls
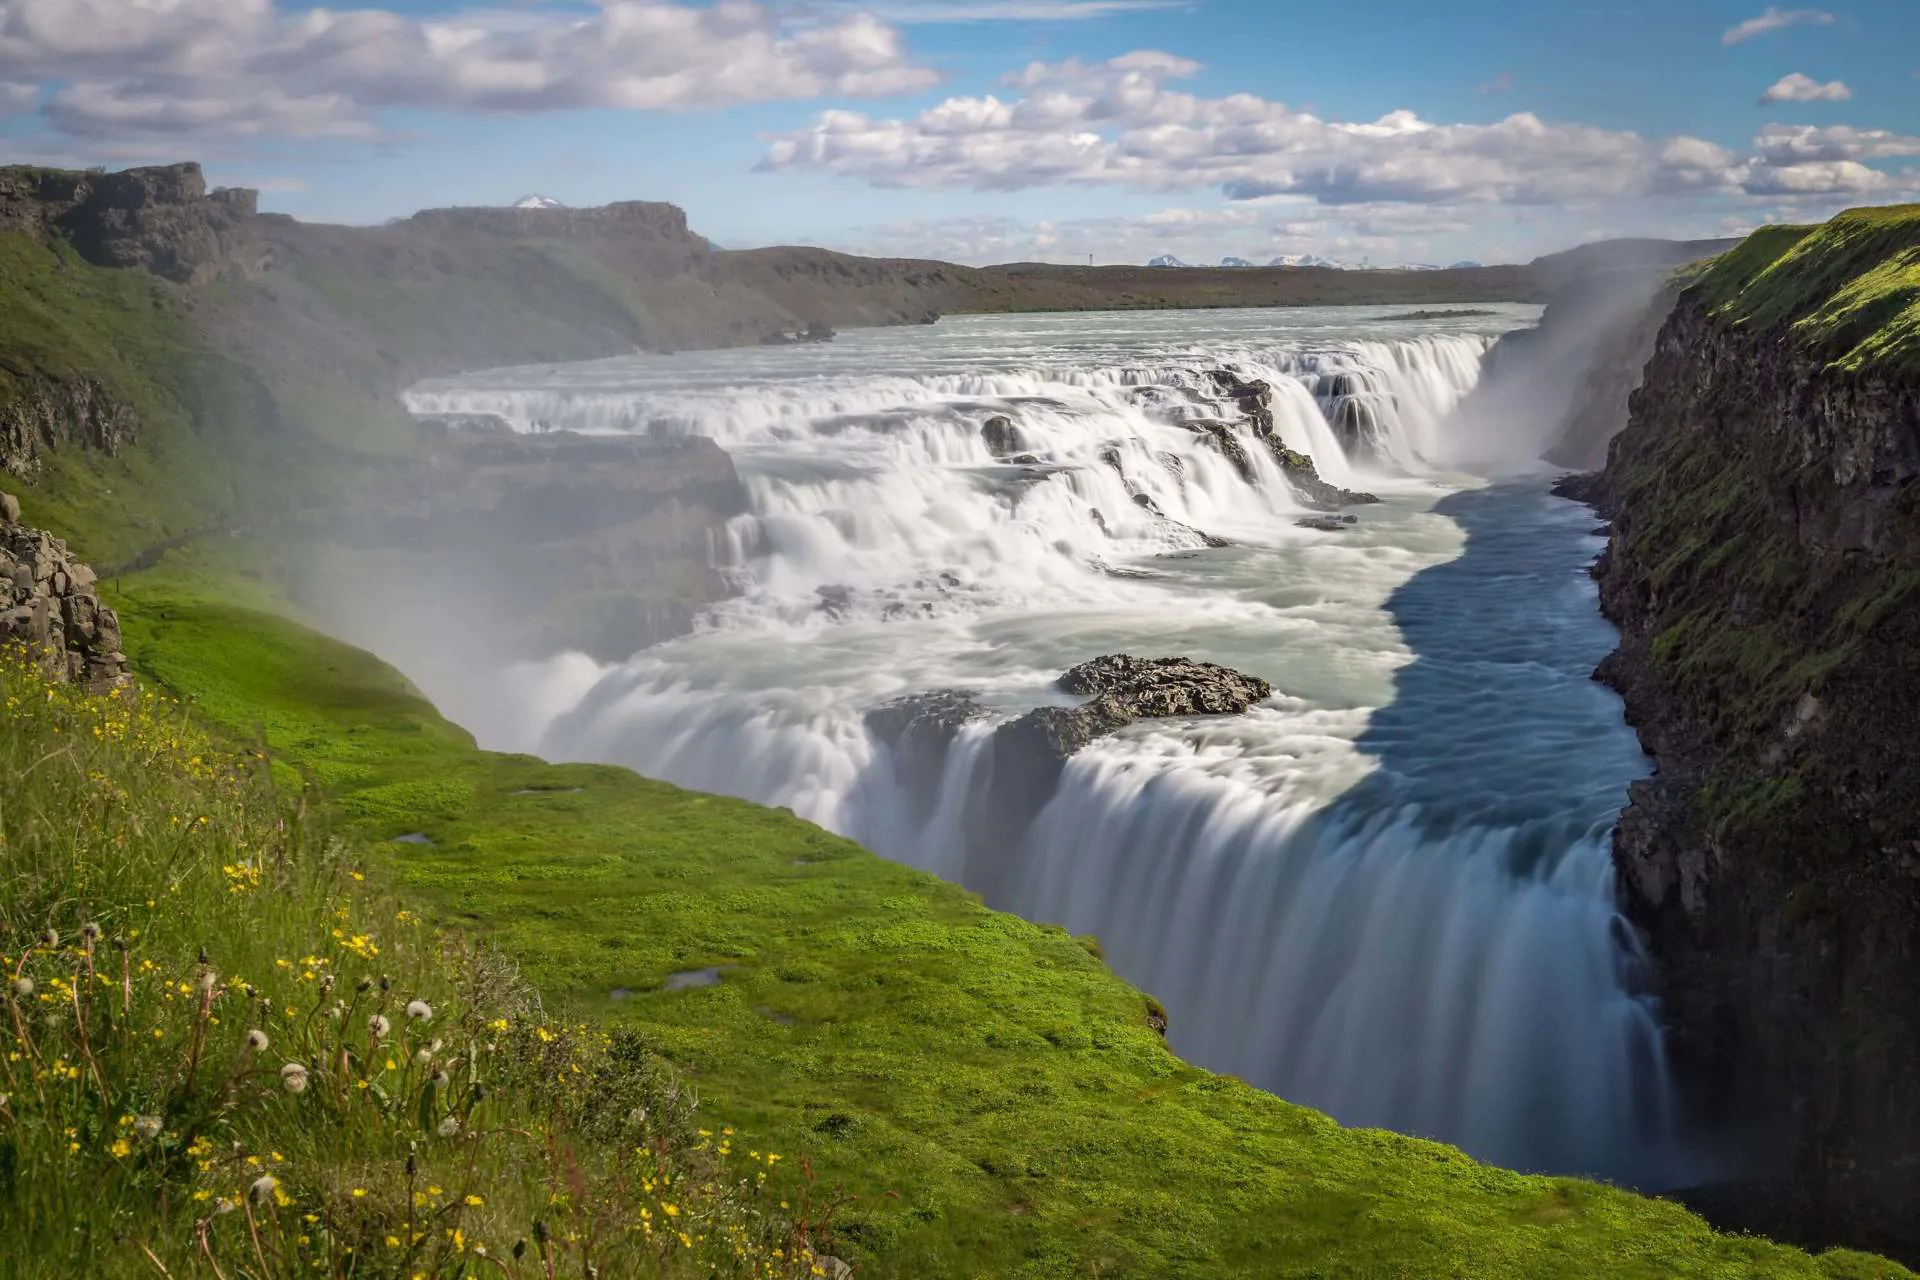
(1386, 892)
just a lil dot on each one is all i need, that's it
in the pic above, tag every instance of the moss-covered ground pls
(990, 1092)
(1848, 288)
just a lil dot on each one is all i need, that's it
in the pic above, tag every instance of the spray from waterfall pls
(1386, 892)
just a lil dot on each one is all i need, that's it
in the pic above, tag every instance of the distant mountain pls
(1235, 262)
(1167, 260)
(1310, 260)
(1463, 265)
(537, 202)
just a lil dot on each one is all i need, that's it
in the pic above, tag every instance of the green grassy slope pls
(1848, 288)
(987, 1088)
(226, 1051)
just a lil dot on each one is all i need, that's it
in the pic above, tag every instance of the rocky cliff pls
(1559, 389)
(1765, 573)
(48, 604)
(513, 546)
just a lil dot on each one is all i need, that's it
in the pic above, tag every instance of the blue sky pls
(984, 130)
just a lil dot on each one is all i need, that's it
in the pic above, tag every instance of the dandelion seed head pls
(422, 1057)
(23, 987)
(257, 1040)
(448, 1127)
(147, 1127)
(50, 939)
(419, 1010)
(263, 1188)
(379, 1025)
(293, 1077)
(90, 931)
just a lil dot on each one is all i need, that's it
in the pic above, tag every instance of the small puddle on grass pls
(413, 837)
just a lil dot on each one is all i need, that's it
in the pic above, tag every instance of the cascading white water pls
(1386, 892)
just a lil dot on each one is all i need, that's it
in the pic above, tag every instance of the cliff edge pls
(1763, 570)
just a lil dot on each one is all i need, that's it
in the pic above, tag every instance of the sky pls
(1386, 132)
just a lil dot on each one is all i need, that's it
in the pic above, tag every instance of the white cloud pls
(1118, 123)
(945, 11)
(1776, 20)
(248, 67)
(1804, 88)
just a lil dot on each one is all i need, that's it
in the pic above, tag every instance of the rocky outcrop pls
(1764, 569)
(1017, 767)
(161, 219)
(48, 604)
(536, 542)
(39, 413)
(1599, 408)
(1002, 438)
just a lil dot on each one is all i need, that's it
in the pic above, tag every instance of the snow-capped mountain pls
(1235, 262)
(1167, 260)
(1309, 260)
(537, 202)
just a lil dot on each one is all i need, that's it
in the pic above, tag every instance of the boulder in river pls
(1017, 769)
(1002, 438)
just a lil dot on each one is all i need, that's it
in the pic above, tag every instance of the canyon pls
(601, 541)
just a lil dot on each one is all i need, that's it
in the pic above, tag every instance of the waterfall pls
(1386, 892)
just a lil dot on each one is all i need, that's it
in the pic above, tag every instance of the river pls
(1385, 892)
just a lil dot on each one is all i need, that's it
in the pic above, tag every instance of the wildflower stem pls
(158, 1265)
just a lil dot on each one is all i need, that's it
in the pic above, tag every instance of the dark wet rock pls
(1100, 519)
(1327, 524)
(1254, 398)
(482, 423)
(1307, 485)
(1167, 686)
(836, 600)
(1578, 486)
(1017, 769)
(1145, 502)
(1002, 438)
(1025, 460)
(1225, 441)
(1109, 455)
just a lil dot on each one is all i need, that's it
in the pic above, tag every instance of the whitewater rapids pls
(1386, 892)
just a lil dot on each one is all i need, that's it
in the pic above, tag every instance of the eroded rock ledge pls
(1764, 570)
(47, 603)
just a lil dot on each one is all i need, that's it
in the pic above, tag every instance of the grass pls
(1848, 288)
(978, 1096)
(225, 1051)
(989, 1099)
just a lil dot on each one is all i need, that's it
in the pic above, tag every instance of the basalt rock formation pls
(48, 604)
(161, 219)
(1764, 569)
(1025, 756)
(532, 543)
(39, 414)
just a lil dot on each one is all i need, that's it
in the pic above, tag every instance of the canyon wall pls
(1763, 571)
